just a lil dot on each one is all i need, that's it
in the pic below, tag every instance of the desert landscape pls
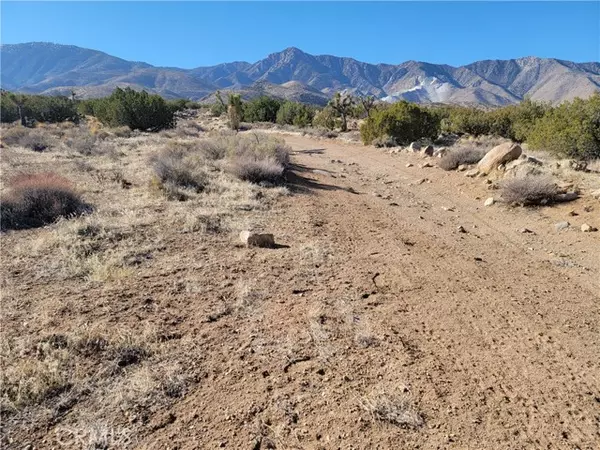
(395, 308)
(262, 225)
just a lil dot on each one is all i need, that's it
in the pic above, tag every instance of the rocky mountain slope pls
(51, 68)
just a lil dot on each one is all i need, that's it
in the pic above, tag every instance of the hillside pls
(293, 74)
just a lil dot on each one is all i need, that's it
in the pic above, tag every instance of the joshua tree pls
(234, 111)
(342, 104)
(367, 103)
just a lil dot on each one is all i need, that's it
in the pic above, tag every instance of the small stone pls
(461, 168)
(586, 228)
(409, 165)
(489, 202)
(461, 229)
(526, 231)
(257, 239)
(472, 173)
(424, 165)
(561, 226)
(596, 194)
(572, 213)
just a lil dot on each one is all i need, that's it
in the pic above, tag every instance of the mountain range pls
(51, 69)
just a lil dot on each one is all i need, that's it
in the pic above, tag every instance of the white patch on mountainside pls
(429, 89)
(293, 74)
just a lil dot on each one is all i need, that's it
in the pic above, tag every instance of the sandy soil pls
(490, 336)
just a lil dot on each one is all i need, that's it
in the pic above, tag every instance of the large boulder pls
(500, 154)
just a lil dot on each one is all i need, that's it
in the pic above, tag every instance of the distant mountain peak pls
(47, 68)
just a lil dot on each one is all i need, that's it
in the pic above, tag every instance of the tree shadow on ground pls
(299, 181)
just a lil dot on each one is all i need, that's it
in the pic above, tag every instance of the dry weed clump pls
(259, 158)
(455, 158)
(397, 409)
(534, 190)
(33, 139)
(180, 168)
(35, 200)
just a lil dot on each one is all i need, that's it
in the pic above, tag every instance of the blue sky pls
(192, 34)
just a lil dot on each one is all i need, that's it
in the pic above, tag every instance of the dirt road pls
(491, 333)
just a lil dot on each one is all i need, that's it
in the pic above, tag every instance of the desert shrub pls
(122, 132)
(217, 109)
(35, 200)
(189, 128)
(534, 190)
(259, 146)
(294, 113)
(258, 170)
(261, 109)
(326, 119)
(569, 130)
(180, 168)
(34, 140)
(84, 143)
(213, 149)
(455, 158)
(403, 121)
(136, 110)
(257, 157)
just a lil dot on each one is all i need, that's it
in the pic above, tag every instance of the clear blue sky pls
(192, 34)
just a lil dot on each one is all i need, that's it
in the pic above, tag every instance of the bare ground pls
(376, 324)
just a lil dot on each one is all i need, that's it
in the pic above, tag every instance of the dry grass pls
(37, 199)
(32, 139)
(534, 190)
(84, 380)
(397, 409)
(455, 158)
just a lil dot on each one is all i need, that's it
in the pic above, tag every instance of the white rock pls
(409, 165)
(588, 228)
(257, 239)
(489, 202)
(472, 173)
(561, 226)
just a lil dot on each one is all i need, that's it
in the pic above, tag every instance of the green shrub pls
(261, 109)
(137, 110)
(569, 130)
(326, 118)
(294, 113)
(37, 108)
(403, 121)
(9, 112)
